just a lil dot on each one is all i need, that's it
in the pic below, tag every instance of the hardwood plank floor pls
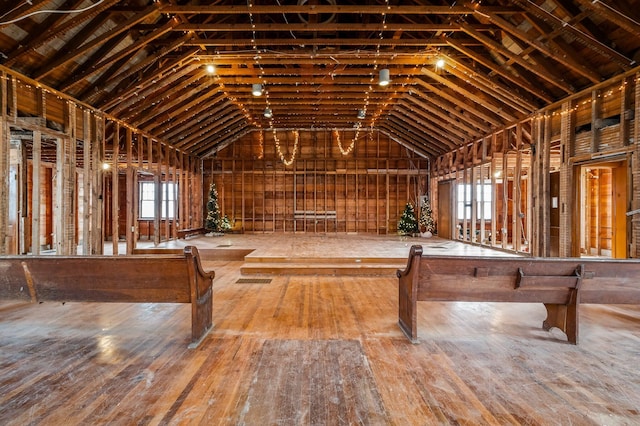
(315, 350)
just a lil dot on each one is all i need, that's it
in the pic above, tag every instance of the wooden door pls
(444, 209)
(619, 225)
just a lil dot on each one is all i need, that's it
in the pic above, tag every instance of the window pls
(483, 201)
(148, 196)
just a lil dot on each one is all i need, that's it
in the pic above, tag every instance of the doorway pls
(602, 203)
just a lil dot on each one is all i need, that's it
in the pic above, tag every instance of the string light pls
(290, 161)
(342, 150)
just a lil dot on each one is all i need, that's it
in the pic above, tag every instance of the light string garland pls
(347, 151)
(290, 161)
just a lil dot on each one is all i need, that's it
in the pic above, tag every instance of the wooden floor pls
(321, 350)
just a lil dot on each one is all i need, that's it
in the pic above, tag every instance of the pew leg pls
(564, 317)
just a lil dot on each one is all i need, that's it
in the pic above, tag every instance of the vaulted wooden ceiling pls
(318, 61)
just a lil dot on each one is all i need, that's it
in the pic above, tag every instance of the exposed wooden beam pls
(491, 44)
(560, 57)
(315, 9)
(132, 49)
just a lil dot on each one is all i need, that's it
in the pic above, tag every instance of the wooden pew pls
(172, 278)
(185, 233)
(561, 284)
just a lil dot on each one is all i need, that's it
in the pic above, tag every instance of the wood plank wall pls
(327, 188)
(598, 127)
(58, 196)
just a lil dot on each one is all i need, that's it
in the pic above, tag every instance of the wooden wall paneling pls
(114, 188)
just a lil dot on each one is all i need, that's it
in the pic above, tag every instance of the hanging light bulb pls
(384, 77)
(361, 114)
(256, 89)
(268, 113)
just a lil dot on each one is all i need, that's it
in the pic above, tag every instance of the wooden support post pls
(86, 183)
(130, 190)
(115, 205)
(165, 191)
(157, 180)
(97, 187)
(35, 193)
(595, 114)
(4, 167)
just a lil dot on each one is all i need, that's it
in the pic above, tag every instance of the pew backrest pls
(167, 278)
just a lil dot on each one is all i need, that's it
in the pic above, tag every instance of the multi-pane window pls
(483, 201)
(148, 196)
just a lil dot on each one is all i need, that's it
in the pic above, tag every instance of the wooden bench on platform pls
(561, 284)
(171, 278)
(185, 233)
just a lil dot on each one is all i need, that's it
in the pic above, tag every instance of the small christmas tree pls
(213, 222)
(408, 225)
(426, 217)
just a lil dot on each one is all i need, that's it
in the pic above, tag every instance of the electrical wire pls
(28, 15)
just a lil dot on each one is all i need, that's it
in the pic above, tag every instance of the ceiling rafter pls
(51, 33)
(625, 21)
(497, 69)
(559, 56)
(454, 110)
(165, 78)
(586, 39)
(177, 106)
(430, 146)
(421, 121)
(491, 44)
(480, 101)
(212, 107)
(136, 82)
(157, 99)
(331, 9)
(435, 120)
(466, 129)
(131, 50)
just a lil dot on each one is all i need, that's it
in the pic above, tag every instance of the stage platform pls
(325, 254)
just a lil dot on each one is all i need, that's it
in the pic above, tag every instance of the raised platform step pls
(324, 260)
(279, 265)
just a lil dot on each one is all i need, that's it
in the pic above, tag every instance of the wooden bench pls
(185, 233)
(561, 284)
(172, 278)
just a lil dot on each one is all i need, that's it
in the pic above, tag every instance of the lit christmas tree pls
(408, 225)
(426, 217)
(213, 222)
